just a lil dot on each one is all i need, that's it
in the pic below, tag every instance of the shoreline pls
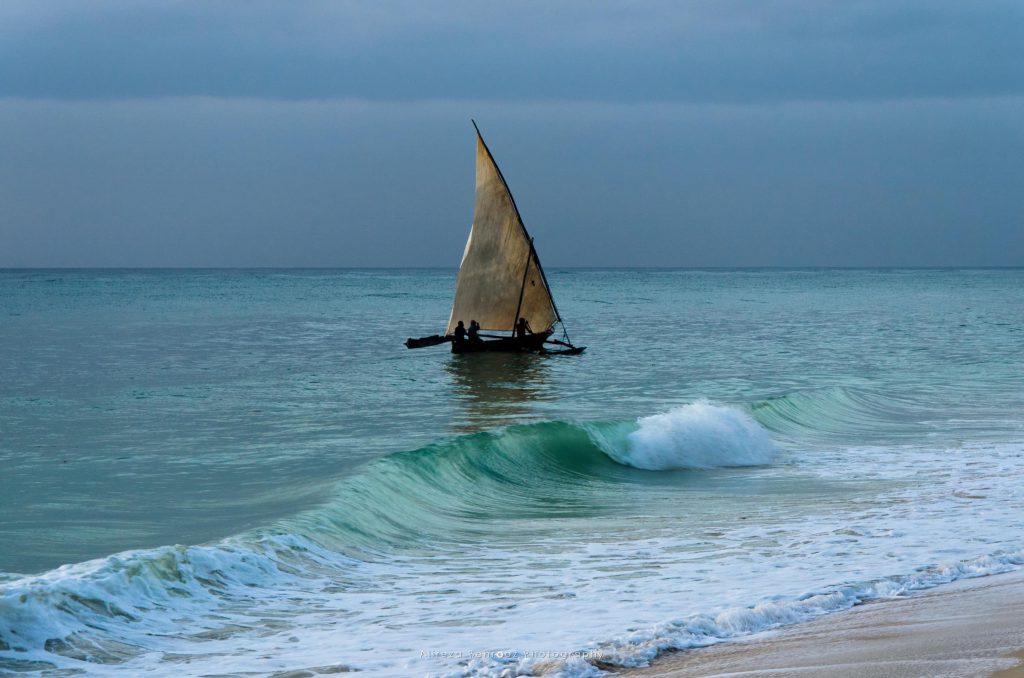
(971, 627)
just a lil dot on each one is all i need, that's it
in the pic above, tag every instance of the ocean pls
(232, 472)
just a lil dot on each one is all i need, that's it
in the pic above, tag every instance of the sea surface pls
(245, 472)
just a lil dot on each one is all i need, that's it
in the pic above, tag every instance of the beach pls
(974, 627)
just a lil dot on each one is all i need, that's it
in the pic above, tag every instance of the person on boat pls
(522, 327)
(460, 333)
(474, 328)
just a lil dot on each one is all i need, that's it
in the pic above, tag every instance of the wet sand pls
(973, 627)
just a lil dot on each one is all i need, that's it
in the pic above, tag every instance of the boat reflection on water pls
(497, 389)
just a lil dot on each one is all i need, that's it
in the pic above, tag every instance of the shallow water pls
(736, 449)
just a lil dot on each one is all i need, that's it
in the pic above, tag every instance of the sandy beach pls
(973, 627)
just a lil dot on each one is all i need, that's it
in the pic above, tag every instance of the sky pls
(664, 133)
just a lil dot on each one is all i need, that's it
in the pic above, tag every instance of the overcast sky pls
(334, 133)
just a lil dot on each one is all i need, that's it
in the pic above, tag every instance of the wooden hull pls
(529, 343)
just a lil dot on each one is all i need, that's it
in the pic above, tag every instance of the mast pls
(522, 289)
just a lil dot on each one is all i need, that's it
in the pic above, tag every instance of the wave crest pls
(695, 436)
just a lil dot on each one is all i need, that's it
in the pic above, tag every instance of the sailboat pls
(500, 283)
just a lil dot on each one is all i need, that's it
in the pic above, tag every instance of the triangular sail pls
(500, 279)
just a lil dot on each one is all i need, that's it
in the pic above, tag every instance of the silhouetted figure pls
(474, 329)
(522, 327)
(460, 333)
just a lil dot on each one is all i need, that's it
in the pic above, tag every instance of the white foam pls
(893, 520)
(697, 435)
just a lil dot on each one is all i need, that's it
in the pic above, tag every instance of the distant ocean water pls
(245, 472)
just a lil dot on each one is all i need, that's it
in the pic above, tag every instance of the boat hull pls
(529, 343)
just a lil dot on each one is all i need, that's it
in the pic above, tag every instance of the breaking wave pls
(414, 530)
(695, 436)
(110, 610)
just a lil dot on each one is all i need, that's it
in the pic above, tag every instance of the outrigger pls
(500, 279)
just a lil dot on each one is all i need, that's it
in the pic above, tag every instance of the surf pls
(449, 491)
(699, 435)
(487, 540)
(448, 494)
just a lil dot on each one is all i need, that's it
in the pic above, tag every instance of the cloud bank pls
(726, 133)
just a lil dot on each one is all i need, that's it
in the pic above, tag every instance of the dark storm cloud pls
(721, 51)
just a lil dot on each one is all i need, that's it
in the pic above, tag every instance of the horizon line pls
(556, 267)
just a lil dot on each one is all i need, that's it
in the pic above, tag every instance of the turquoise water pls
(247, 471)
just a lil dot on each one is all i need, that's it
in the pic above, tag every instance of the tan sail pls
(500, 273)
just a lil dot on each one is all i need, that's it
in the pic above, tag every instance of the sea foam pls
(280, 600)
(694, 436)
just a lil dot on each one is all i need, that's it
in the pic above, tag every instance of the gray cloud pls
(335, 133)
(725, 51)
